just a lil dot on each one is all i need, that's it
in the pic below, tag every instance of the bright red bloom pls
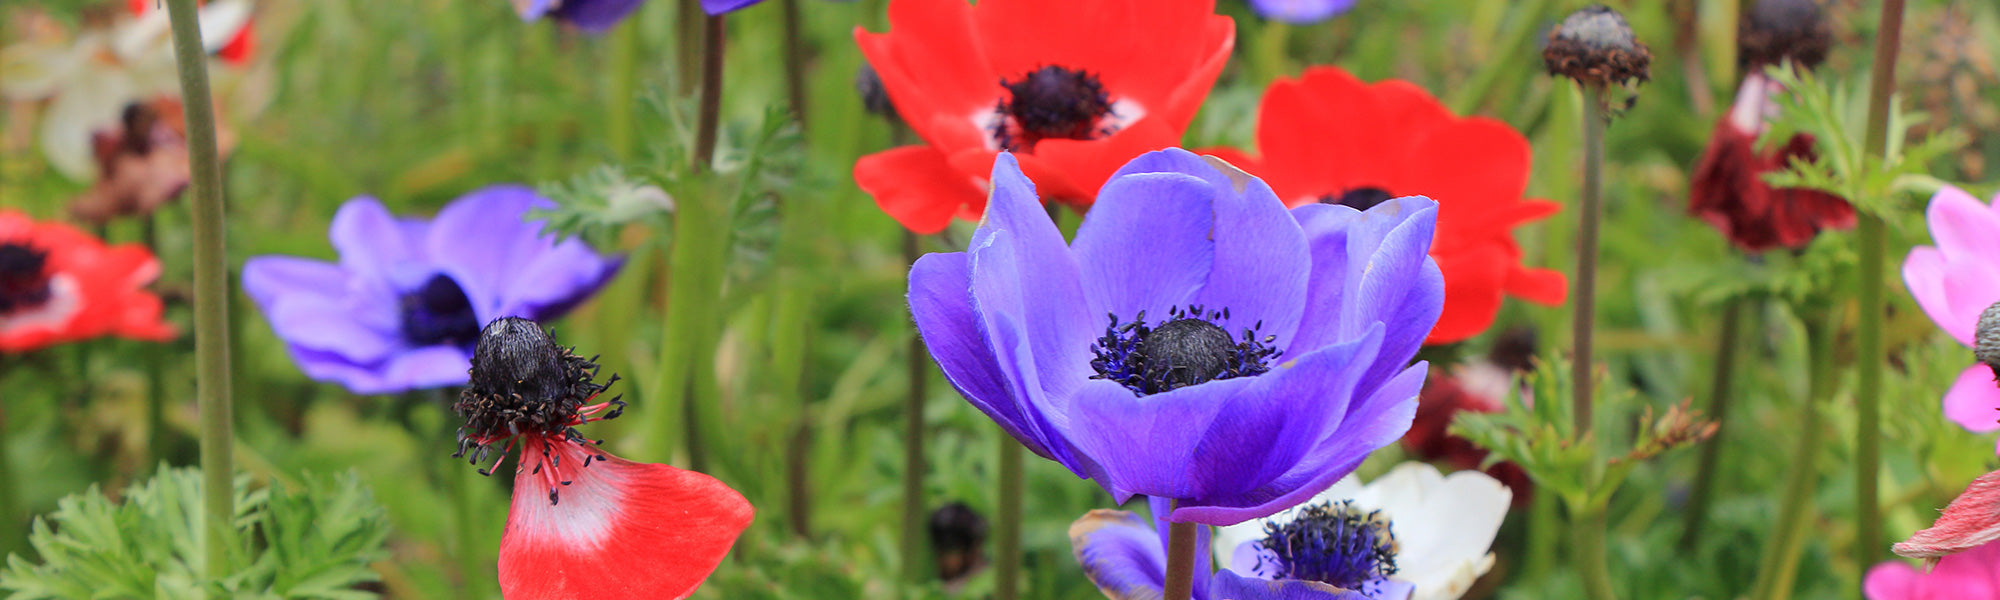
(1329, 137)
(1972, 519)
(584, 523)
(239, 49)
(1729, 191)
(1075, 90)
(58, 285)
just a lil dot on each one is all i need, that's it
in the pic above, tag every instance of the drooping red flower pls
(1074, 90)
(1728, 189)
(59, 285)
(584, 523)
(1972, 519)
(1329, 137)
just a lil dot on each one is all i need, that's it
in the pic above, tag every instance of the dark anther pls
(1188, 349)
(874, 97)
(552, 497)
(1331, 543)
(439, 313)
(957, 536)
(1777, 30)
(1595, 46)
(1986, 339)
(24, 281)
(1361, 198)
(1184, 352)
(1050, 103)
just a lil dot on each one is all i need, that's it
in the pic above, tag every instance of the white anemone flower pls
(1443, 525)
(89, 80)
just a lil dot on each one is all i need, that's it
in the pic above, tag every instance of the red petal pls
(1163, 55)
(619, 530)
(110, 286)
(1472, 285)
(933, 69)
(916, 186)
(1972, 519)
(1071, 171)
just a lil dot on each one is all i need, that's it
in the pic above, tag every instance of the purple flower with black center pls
(1332, 551)
(1197, 341)
(598, 16)
(1301, 12)
(402, 308)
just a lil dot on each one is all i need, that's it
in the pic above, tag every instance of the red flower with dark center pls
(1073, 90)
(1329, 137)
(584, 523)
(58, 285)
(1728, 189)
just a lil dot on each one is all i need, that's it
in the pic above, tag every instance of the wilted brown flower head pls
(1779, 30)
(1595, 46)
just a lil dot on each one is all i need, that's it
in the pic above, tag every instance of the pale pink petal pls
(1973, 402)
(1894, 580)
(1962, 225)
(1972, 519)
(1924, 274)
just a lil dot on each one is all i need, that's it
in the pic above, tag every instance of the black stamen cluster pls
(24, 281)
(1188, 349)
(1986, 339)
(1361, 198)
(874, 95)
(439, 313)
(1332, 543)
(1050, 103)
(1595, 46)
(523, 383)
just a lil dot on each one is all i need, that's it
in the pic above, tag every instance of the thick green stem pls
(1589, 213)
(795, 60)
(1869, 352)
(211, 290)
(1780, 562)
(1181, 555)
(1007, 544)
(699, 255)
(1589, 529)
(621, 93)
(914, 508)
(1544, 532)
(1718, 410)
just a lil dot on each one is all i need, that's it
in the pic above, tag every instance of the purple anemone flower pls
(594, 16)
(1346, 555)
(403, 307)
(1301, 12)
(716, 7)
(1197, 341)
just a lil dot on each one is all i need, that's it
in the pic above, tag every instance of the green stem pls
(795, 60)
(457, 490)
(1544, 529)
(621, 94)
(1589, 213)
(711, 95)
(914, 509)
(211, 290)
(1181, 555)
(1589, 529)
(12, 534)
(1007, 545)
(1780, 562)
(687, 49)
(1869, 352)
(1718, 410)
(155, 364)
(699, 255)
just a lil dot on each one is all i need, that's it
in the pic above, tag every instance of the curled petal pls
(1972, 519)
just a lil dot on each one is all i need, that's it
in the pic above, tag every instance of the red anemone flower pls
(58, 285)
(1329, 137)
(1728, 188)
(1074, 90)
(237, 51)
(584, 523)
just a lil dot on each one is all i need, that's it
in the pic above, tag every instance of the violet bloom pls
(1332, 552)
(1300, 12)
(1197, 341)
(594, 16)
(1954, 282)
(403, 307)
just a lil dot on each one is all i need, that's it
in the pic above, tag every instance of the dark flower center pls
(1050, 103)
(1188, 349)
(1986, 339)
(957, 534)
(24, 278)
(1332, 543)
(439, 313)
(524, 384)
(1361, 198)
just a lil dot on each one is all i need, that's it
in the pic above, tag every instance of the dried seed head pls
(1779, 30)
(1594, 46)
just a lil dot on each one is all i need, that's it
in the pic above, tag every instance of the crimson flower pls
(58, 285)
(1328, 137)
(584, 523)
(1728, 189)
(1073, 90)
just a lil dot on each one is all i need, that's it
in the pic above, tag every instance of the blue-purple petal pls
(716, 7)
(1026, 287)
(429, 367)
(555, 282)
(482, 241)
(1174, 213)
(1262, 265)
(595, 16)
(373, 244)
(941, 302)
(1121, 553)
(1301, 12)
(1370, 267)
(1146, 444)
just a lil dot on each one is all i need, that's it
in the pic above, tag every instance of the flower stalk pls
(211, 290)
(1588, 526)
(697, 256)
(1720, 380)
(1780, 562)
(1181, 552)
(913, 441)
(621, 93)
(1589, 213)
(1007, 544)
(1870, 354)
(795, 59)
